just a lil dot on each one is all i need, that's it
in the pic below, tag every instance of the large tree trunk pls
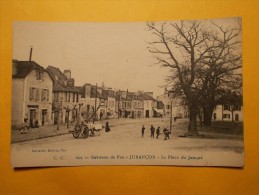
(192, 129)
(207, 114)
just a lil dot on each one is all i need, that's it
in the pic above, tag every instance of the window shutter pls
(42, 95)
(37, 94)
(31, 94)
(47, 93)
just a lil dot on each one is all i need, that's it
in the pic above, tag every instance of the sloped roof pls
(23, 68)
(93, 92)
(60, 81)
(147, 97)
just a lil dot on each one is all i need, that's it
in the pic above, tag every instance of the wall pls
(218, 112)
(17, 102)
(44, 83)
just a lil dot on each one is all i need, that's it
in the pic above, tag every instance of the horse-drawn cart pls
(86, 130)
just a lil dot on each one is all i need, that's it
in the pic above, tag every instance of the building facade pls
(135, 104)
(97, 102)
(173, 105)
(31, 94)
(228, 112)
(66, 96)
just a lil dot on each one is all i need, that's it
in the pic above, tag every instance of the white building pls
(31, 94)
(228, 113)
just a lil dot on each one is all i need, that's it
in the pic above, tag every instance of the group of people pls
(153, 130)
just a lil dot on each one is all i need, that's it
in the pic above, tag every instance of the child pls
(166, 133)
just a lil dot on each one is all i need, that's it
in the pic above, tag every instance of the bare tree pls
(67, 109)
(221, 67)
(199, 59)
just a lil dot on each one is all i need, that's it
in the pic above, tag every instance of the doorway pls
(236, 117)
(43, 116)
(32, 117)
(147, 113)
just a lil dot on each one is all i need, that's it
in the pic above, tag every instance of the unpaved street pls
(124, 145)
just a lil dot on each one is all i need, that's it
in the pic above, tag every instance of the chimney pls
(87, 89)
(30, 54)
(67, 73)
(71, 82)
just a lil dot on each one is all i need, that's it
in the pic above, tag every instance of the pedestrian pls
(25, 126)
(107, 127)
(152, 129)
(157, 132)
(166, 133)
(143, 130)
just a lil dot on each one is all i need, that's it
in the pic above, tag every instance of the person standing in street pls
(107, 127)
(157, 132)
(166, 133)
(152, 129)
(143, 130)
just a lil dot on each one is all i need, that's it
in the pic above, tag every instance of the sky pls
(113, 53)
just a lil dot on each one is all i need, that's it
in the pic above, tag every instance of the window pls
(74, 97)
(215, 116)
(111, 103)
(39, 74)
(77, 98)
(236, 107)
(44, 95)
(32, 93)
(128, 104)
(226, 107)
(47, 95)
(55, 97)
(236, 117)
(226, 116)
(61, 97)
(66, 96)
(168, 106)
(37, 94)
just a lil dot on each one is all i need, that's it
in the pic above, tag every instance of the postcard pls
(133, 93)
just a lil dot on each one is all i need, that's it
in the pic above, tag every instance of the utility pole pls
(30, 54)
(95, 102)
(119, 104)
(79, 110)
(171, 108)
(171, 115)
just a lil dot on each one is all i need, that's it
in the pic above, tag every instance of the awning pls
(160, 111)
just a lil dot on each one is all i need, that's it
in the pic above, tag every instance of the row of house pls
(48, 96)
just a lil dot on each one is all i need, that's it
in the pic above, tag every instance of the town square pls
(162, 90)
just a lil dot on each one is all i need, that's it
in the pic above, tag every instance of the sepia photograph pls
(131, 93)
